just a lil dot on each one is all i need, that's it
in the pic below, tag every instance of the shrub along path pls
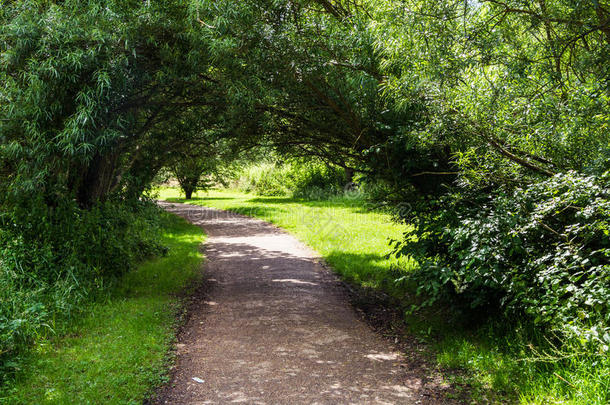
(275, 327)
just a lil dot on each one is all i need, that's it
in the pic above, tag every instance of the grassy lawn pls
(493, 359)
(353, 240)
(118, 352)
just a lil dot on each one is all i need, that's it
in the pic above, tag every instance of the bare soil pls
(271, 325)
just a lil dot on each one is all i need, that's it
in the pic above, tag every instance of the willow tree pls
(86, 87)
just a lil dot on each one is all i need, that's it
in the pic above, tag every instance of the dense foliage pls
(54, 259)
(296, 178)
(86, 96)
(540, 251)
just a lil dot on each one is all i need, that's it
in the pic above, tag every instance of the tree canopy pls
(97, 94)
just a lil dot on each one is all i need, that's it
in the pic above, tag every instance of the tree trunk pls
(188, 192)
(97, 179)
(349, 175)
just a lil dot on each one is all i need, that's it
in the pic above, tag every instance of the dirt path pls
(276, 328)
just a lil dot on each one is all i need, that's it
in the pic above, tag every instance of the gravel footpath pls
(272, 326)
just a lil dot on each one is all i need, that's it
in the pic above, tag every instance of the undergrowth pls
(116, 351)
(309, 179)
(56, 259)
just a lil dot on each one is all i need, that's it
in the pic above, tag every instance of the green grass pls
(501, 367)
(493, 363)
(119, 351)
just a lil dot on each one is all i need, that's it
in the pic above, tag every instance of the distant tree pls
(189, 172)
(201, 167)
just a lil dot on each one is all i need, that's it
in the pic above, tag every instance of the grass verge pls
(495, 363)
(117, 353)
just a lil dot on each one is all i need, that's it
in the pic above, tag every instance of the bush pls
(541, 251)
(264, 179)
(314, 180)
(298, 178)
(53, 259)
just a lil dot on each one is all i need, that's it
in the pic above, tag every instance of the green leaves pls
(539, 251)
